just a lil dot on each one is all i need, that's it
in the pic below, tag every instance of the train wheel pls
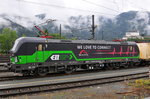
(26, 73)
(137, 64)
(132, 64)
(125, 65)
(42, 71)
(116, 65)
(70, 69)
(100, 66)
(109, 66)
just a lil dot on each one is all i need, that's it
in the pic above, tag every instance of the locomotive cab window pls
(131, 48)
(40, 47)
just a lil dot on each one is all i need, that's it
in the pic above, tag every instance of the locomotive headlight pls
(16, 59)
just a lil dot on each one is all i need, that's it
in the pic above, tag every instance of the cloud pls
(143, 18)
(27, 22)
(147, 29)
(4, 22)
(28, 8)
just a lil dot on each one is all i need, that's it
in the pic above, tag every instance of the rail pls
(4, 59)
(5, 92)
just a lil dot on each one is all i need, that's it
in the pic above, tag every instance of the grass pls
(141, 83)
(139, 89)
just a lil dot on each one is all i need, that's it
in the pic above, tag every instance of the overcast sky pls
(58, 9)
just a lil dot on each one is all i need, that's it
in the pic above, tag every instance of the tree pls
(7, 38)
(23, 35)
(56, 36)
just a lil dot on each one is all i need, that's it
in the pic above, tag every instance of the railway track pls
(66, 83)
(4, 70)
(4, 59)
(4, 67)
(20, 77)
(14, 76)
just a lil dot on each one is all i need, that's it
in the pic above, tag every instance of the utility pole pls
(102, 34)
(60, 30)
(93, 28)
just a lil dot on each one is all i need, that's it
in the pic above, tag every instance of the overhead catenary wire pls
(114, 2)
(137, 6)
(122, 5)
(58, 6)
(70, 8)
(100, 5)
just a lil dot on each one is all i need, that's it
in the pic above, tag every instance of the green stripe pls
(46, 54)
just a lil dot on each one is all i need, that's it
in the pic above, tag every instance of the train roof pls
(22, 40)
(44, 40)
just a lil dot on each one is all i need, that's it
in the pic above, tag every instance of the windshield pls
(16, 44)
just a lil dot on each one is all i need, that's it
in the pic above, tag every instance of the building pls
(132, 35)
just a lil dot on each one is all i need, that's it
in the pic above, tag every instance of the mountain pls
(110, 28)
(80, 26)
(25, 25)
(125, 22)
(13, 23)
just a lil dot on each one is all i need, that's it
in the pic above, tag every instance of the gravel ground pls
(105, 91)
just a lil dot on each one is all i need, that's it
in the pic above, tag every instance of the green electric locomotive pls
(33, 55)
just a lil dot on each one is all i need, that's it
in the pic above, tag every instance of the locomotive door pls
(40, 53)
